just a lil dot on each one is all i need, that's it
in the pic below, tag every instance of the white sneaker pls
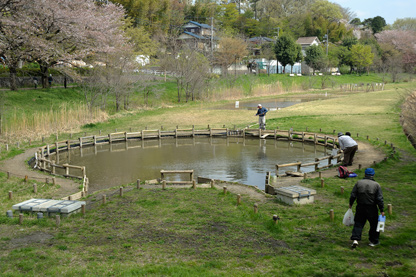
(354, 244)
(373, 244)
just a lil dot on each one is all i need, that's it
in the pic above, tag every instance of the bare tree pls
(189, 68)
(231, 50)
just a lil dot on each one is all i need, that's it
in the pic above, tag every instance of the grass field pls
(202, 232)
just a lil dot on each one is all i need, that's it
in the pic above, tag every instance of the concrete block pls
(295, 195)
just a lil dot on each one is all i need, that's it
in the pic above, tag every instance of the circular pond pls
(246, 161)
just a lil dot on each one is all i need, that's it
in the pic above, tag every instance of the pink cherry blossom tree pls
(52, 31)
(404, 42)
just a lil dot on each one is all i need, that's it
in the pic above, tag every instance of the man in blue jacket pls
(261, 112)
(369, 196)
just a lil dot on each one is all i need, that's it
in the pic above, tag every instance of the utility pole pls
(278, 30)
(326, 40)
(212, 44)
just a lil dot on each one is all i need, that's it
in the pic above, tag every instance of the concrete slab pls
(295, 195)
(49, 206)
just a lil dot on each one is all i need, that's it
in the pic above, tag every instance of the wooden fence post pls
(164, 184)
(138, 183)
(58, 220)
(20, 219)
(212, 183)
(193, 184)
(390, 209)
(256, 208)
(35, 188)
(121, 191)
(224, 189)
(322, 183)
(10, 195)
(331, 214)
(83, 209)
(238, 199)
(104, 198)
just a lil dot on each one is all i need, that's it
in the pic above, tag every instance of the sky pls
(390, 10)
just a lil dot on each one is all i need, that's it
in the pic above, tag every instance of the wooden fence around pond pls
(47, 157)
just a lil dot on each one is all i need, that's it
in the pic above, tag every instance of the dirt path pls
(17, 166)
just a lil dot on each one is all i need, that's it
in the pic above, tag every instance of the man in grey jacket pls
(349, 147)
(369, 196)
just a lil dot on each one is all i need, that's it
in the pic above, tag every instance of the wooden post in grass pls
(20, 219)
(10, 195)
(193, 184)
(138, 183)
(342, 190)
(104, 198)
(83, 209)
(164, 184)
(212, 183)
(8, 175)
(275, 219)
(322, 183)
(224, 189)
(58, 220)
(53, 181)
(238, 199)
(331, 214)
(390, 209)
(320, 175)
(256, 208)
(35, 188)
(121, 191)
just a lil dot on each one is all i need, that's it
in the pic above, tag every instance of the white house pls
(305, 42)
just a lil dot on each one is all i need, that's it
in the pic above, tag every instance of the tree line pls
(109, 35)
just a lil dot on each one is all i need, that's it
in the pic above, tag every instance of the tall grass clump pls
(408, 118)
(21, 125)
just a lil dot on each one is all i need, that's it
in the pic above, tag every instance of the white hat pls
(259, 105)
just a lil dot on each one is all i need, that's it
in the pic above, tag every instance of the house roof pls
(307, 40)
(194, 35)
(260, 39)
(202, 25)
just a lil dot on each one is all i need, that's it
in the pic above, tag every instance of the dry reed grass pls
(269, 89)
(22, 127)
(255, 91)
(408, 118)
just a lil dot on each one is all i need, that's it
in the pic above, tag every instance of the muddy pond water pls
(274, 103)
(242, 160)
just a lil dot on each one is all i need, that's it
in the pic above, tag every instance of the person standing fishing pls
(261, 112)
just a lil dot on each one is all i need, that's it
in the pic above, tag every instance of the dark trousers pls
(349, 155)
(362, 214)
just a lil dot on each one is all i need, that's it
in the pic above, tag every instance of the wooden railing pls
(46, 153)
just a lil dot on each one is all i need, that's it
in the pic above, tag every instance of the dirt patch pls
(34, 238)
